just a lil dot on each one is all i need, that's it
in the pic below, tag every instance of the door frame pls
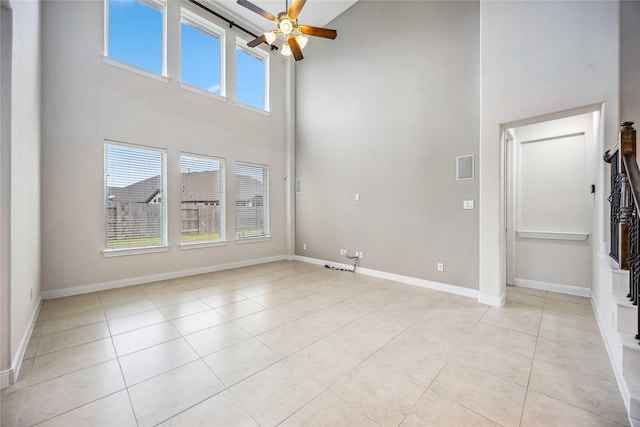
(511, 151)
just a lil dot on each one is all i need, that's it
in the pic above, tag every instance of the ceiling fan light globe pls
(302, 40)
(271, 36)
(286, 26)
(286, 49)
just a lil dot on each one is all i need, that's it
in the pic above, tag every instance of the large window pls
(135, 33)
(251, 76)
(252, 201)
(201, 56)
(202, 199)
(135, 202)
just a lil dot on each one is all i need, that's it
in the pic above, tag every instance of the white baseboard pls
(554, 287)
(103, 286)
(452, 289)
(492, 300)
(6, 378)
(9, 376)
(617, 369)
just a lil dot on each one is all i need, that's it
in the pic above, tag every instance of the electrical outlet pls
(304, 246)
(357, 196)
(440, 267)
(343, 252)
(467, 204)
(360, 255)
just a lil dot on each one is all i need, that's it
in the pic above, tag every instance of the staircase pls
(618, 320)
(619, 272)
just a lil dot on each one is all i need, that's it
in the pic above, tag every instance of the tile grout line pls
(568, 369)
(124, 381)
(533, 358)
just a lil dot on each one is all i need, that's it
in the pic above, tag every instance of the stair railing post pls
(627, 147)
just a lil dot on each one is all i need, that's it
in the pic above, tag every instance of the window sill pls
(109, 253)
(242, 241)
(200, 91)
(252, 108)
(199, 245)
(133, 69)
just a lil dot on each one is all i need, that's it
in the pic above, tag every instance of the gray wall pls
(630, 61)
(86, 101)
(383, 111)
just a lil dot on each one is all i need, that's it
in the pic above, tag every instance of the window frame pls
(163, 246)
(202, 24)
(266, 204)
(263, 55)
(223, 204)
(156, 4)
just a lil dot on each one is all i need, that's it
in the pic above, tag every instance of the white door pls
(552, 204)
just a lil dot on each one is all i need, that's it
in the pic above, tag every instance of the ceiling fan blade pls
(318, 32)
(295, 8)
(252, 7)
(256, 42)
(295, 49)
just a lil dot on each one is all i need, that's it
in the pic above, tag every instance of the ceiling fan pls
(287, 25)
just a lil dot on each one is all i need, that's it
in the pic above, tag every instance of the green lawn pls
(133, 242)
(190, 238)
(250, 233)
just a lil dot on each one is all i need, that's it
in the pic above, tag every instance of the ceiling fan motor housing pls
(286, 25)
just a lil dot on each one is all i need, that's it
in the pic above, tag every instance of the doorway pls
(549, 205)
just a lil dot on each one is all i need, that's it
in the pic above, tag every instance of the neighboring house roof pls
(139, 192)
(200, 186)
(248, 188)
(195, 186)
(151, 197)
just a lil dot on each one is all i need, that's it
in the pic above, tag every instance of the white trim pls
(11, 375)
(134, 69)
(617, 369)
(243, 240)
(554, 287)
(5, 378)
(199, 245)
(414, 281)
(200, 91)
(552, 235)
(103, 286)
(109, 253)
(492, 300)
(252, 108)
(194, 20)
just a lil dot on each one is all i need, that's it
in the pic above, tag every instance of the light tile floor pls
(300, 345)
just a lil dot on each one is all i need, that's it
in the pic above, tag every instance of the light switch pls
(357, 196)
(468, 204)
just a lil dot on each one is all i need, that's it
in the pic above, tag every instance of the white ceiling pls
(317, 13)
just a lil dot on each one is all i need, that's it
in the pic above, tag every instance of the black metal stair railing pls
(630, 201)
(625, 211)
(614, 200)
(634, 259)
